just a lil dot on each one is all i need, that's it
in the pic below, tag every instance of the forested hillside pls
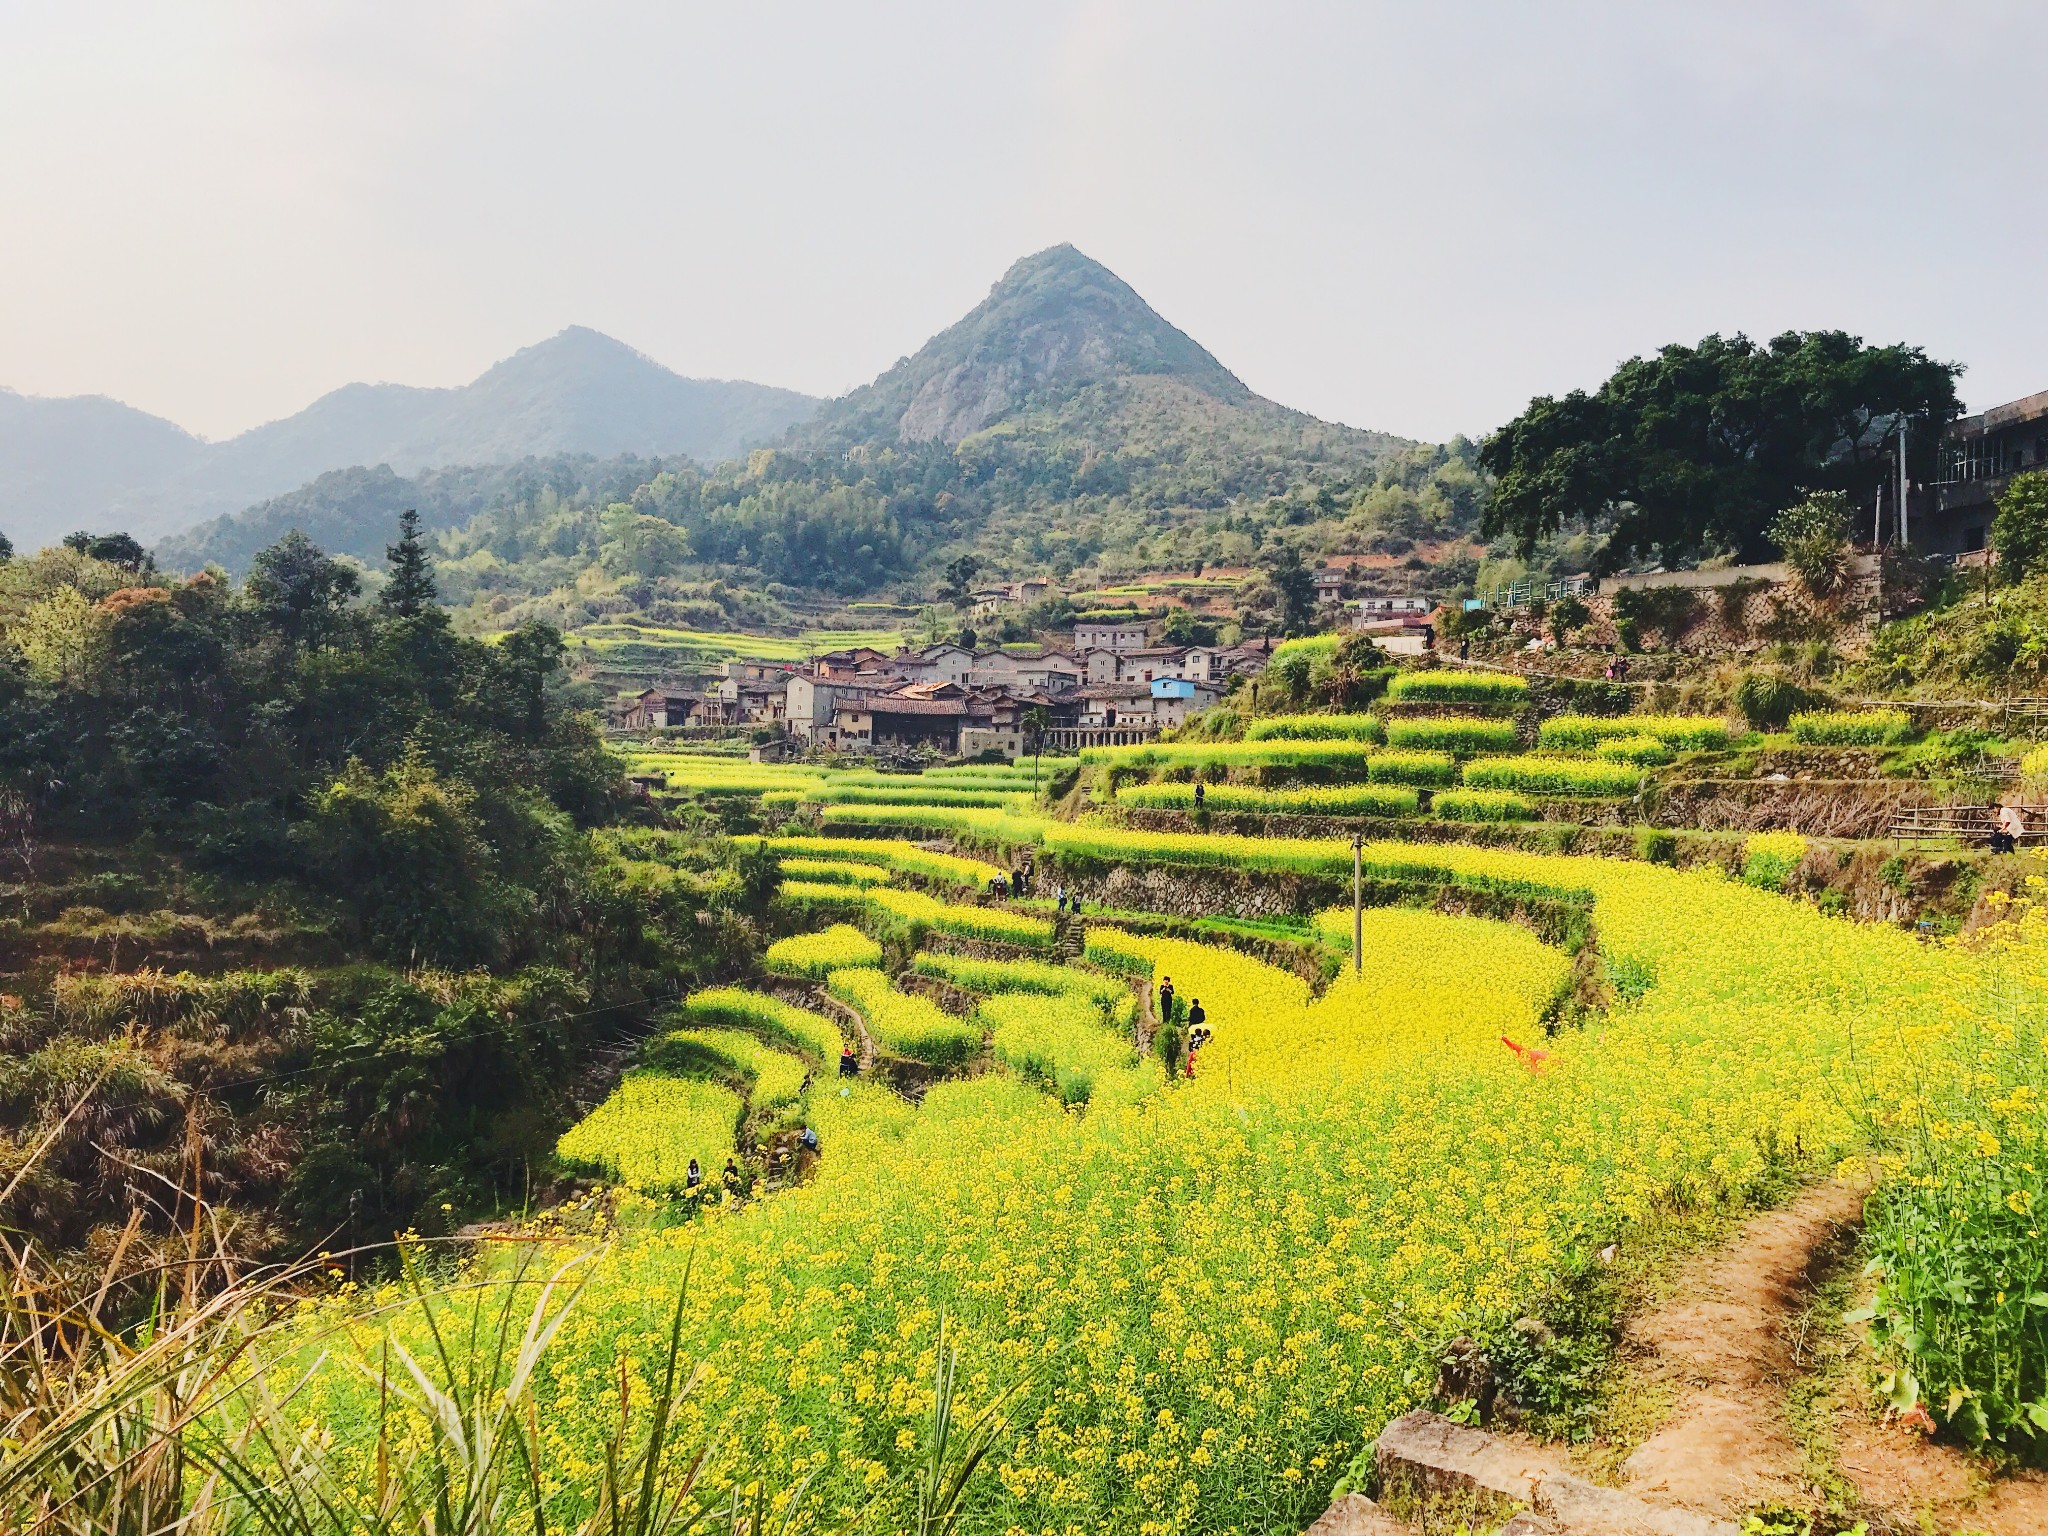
(299, 883)
(1061, 427)
(66, 464)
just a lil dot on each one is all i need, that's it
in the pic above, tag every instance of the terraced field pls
(1210, 1288)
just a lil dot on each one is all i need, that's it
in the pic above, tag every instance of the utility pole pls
(1358, 903)
(1905, 532)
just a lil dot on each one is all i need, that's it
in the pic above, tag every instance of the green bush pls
(1538, 775)
(1315, 728)
(1654, 845)
(1768, 700)
(1482, 805)
(1461, 737)
(1584, 733)
(1447, 687)
(1851, 728)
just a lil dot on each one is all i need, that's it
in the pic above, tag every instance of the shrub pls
(1654, 845)
(1851, 728)
(1458, 688)
(1814, 534)
(1482, 805)
(1768, 700)
(811, 955)
(1769, 858)
(1584, 733)
(1538, 775)
(1462, 738)
(902, 1023)
(1668, 610)
(1317, 800)
(1315, 728)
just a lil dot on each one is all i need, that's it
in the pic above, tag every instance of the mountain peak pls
(1056, 323)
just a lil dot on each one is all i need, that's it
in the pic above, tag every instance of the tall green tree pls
(1695, 450)
(1295, 585)
(410, 589)
(298, 591)
(2019, 533)
(958, 587)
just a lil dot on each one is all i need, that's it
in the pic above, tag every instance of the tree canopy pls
(1696, 450)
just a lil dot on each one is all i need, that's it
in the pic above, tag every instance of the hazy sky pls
(1408, 217)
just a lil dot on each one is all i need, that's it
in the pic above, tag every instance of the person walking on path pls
(1060, 896)
(2009, 827)
(1164, 1005)
(1198, 1034)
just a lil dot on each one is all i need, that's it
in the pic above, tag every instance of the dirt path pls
(1723, 1348)
(846, 1013)
(1720, 1346)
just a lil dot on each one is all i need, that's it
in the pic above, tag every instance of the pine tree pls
(410, 591)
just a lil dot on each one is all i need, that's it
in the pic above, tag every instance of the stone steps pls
(1432, 1473)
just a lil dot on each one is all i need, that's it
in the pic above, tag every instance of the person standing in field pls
(849, 1064)
(1164, 1007)
(694, 1180)
(732, 1181)
(1198, 1035)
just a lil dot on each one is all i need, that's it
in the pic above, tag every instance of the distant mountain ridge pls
(96, 463)
(1064, 346)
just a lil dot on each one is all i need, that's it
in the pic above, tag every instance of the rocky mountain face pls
(1056, 324)
(95, 463)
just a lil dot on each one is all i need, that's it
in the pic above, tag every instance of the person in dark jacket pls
(1164, 1007)
(849, 1064)
(695, 1179)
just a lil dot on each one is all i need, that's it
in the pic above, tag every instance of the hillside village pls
(1046, 944)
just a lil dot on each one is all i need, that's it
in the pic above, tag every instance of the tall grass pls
(1851, 728)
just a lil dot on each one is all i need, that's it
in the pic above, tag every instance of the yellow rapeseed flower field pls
(1220, 1289)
